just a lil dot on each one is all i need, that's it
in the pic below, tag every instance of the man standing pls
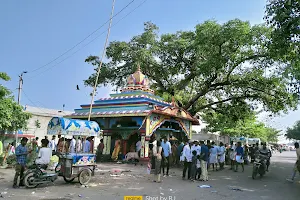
(297, 164)
(166, 145)
(100, 150)
(73, 145)
(86, 146)
(179, 151)
(203, 162)
(21, 155)
(53, 144)
(91, 140)
(138, 147)
(221, 154)
(196, 147)
(232, 155)
(187, 157)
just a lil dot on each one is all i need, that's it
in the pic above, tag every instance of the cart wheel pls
(68, 180)
(85, 176)
(29, 179)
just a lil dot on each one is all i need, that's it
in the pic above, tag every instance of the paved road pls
(272, 187)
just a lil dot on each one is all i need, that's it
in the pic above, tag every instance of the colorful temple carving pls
(136, 113)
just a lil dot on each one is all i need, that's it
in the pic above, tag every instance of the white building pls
(38, 123)
(200, 133)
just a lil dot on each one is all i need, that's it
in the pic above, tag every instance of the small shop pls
(134, 115)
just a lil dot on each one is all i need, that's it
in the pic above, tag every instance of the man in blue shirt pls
(203, 161)
(21, 155)
(166, 145)
(86, 146)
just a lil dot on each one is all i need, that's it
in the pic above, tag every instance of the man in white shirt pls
(78, 145)
(45, 154)
(196, 147)
(53, 144)
(187, 156)
(73, 145)
(138, 147)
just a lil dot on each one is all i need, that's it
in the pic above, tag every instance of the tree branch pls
(204, 91)
(228, 99)
(242, 61)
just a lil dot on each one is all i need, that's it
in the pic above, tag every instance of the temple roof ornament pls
(138, 82)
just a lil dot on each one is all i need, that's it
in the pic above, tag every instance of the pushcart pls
(79, 165)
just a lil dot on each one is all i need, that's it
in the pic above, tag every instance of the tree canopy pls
(224, 68)
(294, 132)
(12, 116)
(248, 127)
(284, 17)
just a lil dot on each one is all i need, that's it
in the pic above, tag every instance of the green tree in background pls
(216, 68)
(12, 116)
(249, 127)
(294, 132)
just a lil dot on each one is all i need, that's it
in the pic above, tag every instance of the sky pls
(35, 33)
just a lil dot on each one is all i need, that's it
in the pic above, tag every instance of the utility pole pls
(19, 97)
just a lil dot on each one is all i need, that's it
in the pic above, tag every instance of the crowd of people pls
(74, 145)
(197, 157)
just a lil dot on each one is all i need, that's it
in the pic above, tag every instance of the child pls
(194, 166)
(198, 174)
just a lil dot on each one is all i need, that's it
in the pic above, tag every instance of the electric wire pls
(89, 41)
(82, 39)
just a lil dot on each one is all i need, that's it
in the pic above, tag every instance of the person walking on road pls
(187, 158)
(166, 145)
(297, 164)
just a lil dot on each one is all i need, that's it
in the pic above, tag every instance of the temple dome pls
(137, 78)
(138, 81)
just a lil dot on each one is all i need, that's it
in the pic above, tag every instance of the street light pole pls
(19, 97)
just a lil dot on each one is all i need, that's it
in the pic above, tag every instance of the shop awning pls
(65, 126)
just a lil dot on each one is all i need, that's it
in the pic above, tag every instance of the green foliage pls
(12, 116)
(284, 17)
(249, 127)
(294, 132)
(3, 90)
(220, 68)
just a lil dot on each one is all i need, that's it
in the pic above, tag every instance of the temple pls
(136, 114)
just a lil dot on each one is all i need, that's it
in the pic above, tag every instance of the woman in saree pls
(116, 151)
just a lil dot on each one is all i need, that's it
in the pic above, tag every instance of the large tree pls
(12, 116)
(221, 68)
(294, 132)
